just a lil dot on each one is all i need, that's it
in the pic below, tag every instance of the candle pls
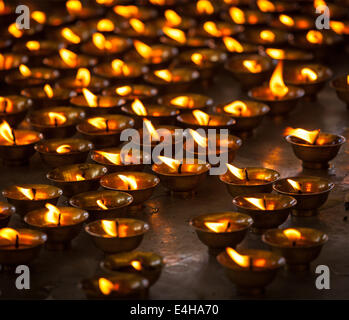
(14, 108)
(61, 152)
(61, 224)
(76, 178)
(290, 56)
(16, 145)
(314, 148)
(248, 17)
(6, 211)
(186, 102)
(28, 197)
(137, 12)
(216, 29)
(117, 235)
(131, 92)
(201, 9)
(82, 11)
(103, 204)
(299, 246)
(235, 47)
(267, 210)
(310, 192)
(277, 6)
(248, 180)
(10, 61)
(267, 36)
(222, 229)
(292, 23)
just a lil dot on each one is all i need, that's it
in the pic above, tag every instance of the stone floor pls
(190, 272)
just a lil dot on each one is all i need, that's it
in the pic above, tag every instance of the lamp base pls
(297, 267)
(305, 213)
(183, 194)
(315, 165)
(247, 291)
(58, 246)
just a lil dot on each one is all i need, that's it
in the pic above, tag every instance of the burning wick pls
(295, 185)
(17, 242)
(172, 163)
(293, 235)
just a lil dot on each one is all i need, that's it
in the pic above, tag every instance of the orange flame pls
(172, 18)
(6, 105)
(98, 122)
(120, 67)
(131, 182)
(123, 91)
(275, 53)
(150, 128)
(258, 203)
(143, 49)
(5, 62)
(136, 264)
(314, 36)
(295, 185)
(53, 214)
(101, 204)
(13, 29)
(267, 35)
(286, 20)
(237, 108)
(237, 15)
(137, 25)
(56, 118)
(126, 11)
(9, 234)
(48, 90)
(172, 163)
(114, 158)
(241, 260)
(348, 79)
(92, 100)
(237, 172)
(83, 77)
(73, 6)
(2, 5)
(309, 74)
(100, 42)
(218, 227)
(318, 3)
(211, 28)
(233, 45)
(183, 101)
(338, 27)
(308, 136)
(39, 16)
(64, 148)
(79, 177)
(204, 7)
(175, 34)
(164, 74)
(265, 6)
(197, 58)
(27, 192)
(25, 71)
(252, 65)
(201, 117)
(6, 132)
(33, 45)
(105, 25)
(292, 234)
(69, 35)
(199, 139)
(69, 58)
(107, 286)
(138, 108)
(276, 83)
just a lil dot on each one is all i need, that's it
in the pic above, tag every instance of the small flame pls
(201, 117)
(138, 108)
(105, 25)
(64, 148)
(9, 234)
(309, 74)
(79, 177)
(27, 192)
(39, 16)
(348, 79)
(69, 35)
(183, 101)
(143, 49)
(233, 45)
(73, 6)
(308, 136)
(114, 158)
(13, 29)
(237, 172)
(295, 185)
(292, 234)
(98, 122)
(172, 18)
(48, 91)
(100, 42)
(83, 77)
(199, 139)
(6, 62)
(152, 131)
(53, 214)
(338, 27)
(237, 108)
(218, 227)
(70, 58)
(267, 35)
(276, 83)
(318, 3)
(164, 74)
(92, 99)
(252, 65)
(130, 181)
(258, 203)
(172, 163)
(136, 264)
(211, 28)
(120, 67)
(204, 7)
(6, 132)
(101, 204)
(107, 286)
(275, 53)
(56, 118)
(237, 15)
(33, 45)
(175, 34)
(6, 105)
(286, 20)
(241, 260)
(2, 5)
(123, 91)
(197, 58)
(25, 71)
(314, 36)
(137, 25)
(265, 6)
(126, 11)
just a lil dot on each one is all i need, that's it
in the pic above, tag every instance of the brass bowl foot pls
(247, 291)
(305, 213)
(297, 267)
(315, 165)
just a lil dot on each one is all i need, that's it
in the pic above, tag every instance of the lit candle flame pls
(33, 45)
(164, 74)
(130, 182)
(98, 122)
(309, 74)
(48, 91)
(83, 77)
(73, 6)
(171, 163)
(197, 58)
(172, 18)
(25, 71)
(70, 35)
(6, 132)
(69, 58)
(218, 227)
(79, 177)
(64, 148)
(136, 265)
(286, 20)
(241, 260)
(265, 6)
(152, 131)
(295, 185)
(211, 28)
(143, 49)
(237, 108)
(337, 26)
(53, 214)
(38, 16)
(120, 67)
(275, 53)
(101, 204)
(175, 34)
(314, 36)
(56, 118)
(138, 108)
(27, 192)
(276, 83)
(257, 202)
(9, 234)
(126, 11)
(199, 139)
(6, 105)
(267, 35)
(237, 15)
(100, 42)
(105, 25)
(308, 136)
(237, 172)
(6, 62)
(253, 66)
(137, 25)
(233, 45)
(201, 117)
(114, 158)
(106, 286)
(204, 7)
(2, 6)
(91, 99)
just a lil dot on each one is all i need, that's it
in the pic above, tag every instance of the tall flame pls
(241, 260)
(130, 181)
(204, 7)
(308, 136)
(172, 163)
(295, 185)
(105, 25)
(237, 15)
(175, 34)
(143, 49)
(70, 35)
(172, 18)
(53, 214)
(237, 108)
(201, 117)
(101, 204)
(237, 172)
(101, 42)
(48, 91)
(6, 132)
(56, 118)
(199, 139)
(183, 101)
(25, 71)
(233, 45)
(107, 286)
(292, 234)
(138, 108)
(309, 74)
(252, 65)
(38, 16)
(27, 192)
(70, 58)
(151, 130)
(126, 11)
(92, 99)
(83, 77)
(73, 6)
(276, 83)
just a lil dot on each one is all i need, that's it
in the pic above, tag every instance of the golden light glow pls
(138, 108)
(92, 99)
(183, 101)
(33, 45)
(241, 260)
(158, 2)
(309, 74)
(151, 130)
(106, 286)
(2, 6)
(199, 139)
(275, 53)
(6, 132)
(114, 158)
(338, 26)
(64, 148)
(130, 182)
(232, 44)
(308, 136)
(295, 185)
(69, 58)
(9, 234)
(120, 67)
(292, 234)
(126, 11)
(12, 29)
(252, 65)
(267, 35)
(6, 105)
(53, 214)
(69, 35)
(73, 6)
(175, 34)
(56, 118)
(172, 163)
(286, 20)
(314, 36)
(318, 3)
(105, 25)
(79, 177)
(211, 28)
(265, 6)
(201, 117)
(237, 108)
(100, 42)
(101, 204)
(172, 18)
(218, 227)
(143, 49)
(348, 79)
(83, 77)
(38, 16)
(164, 74)
(204, 7)
(257, 202)
(136, 264)
(237, 15)
(237, 172)
(98, 122)
(5, 62)
(197, 58)
(48, 91)
(27, 192)
(137, 25)
(25, 71)
(123, 91)
(276, 83)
